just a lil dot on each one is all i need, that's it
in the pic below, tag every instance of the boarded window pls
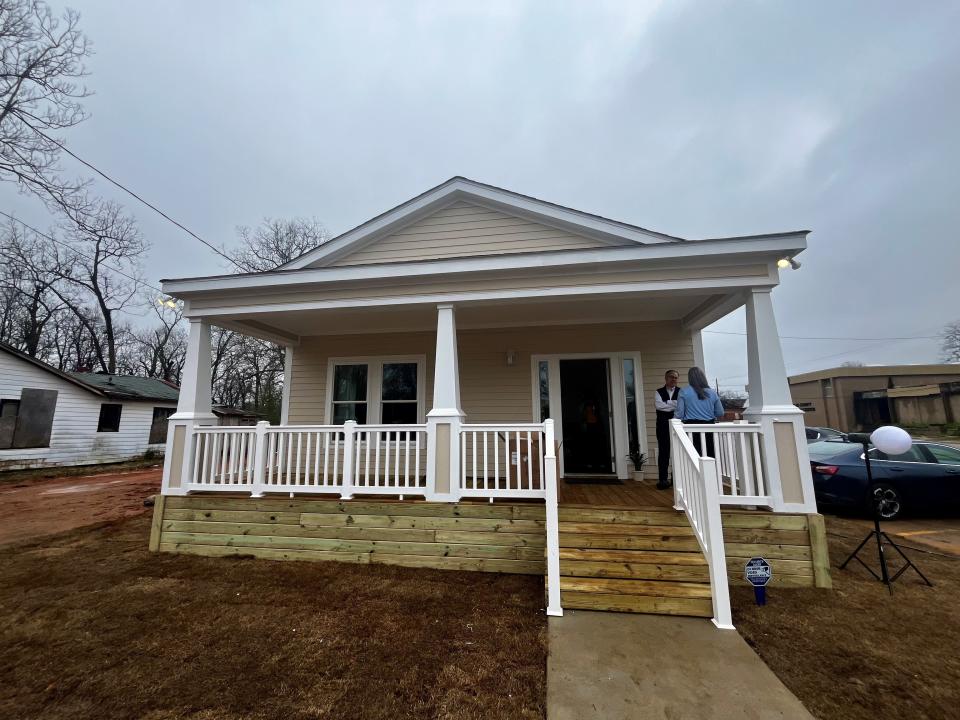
(28, 422)
(109, 418)
(158, 428)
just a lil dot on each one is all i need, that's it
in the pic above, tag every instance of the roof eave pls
(764, 247)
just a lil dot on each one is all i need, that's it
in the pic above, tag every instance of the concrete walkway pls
(614, 665)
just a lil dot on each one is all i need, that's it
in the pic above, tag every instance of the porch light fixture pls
(168, 302)
(788, 262)
(511, 358)
(891, 441)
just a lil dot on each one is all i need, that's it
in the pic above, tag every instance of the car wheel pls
(885, 500)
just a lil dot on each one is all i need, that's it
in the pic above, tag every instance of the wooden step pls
(630, 516)
(692, 607)
(631, 570)
(657, 588)
(630, 529)
(627, 542)
(634, 556)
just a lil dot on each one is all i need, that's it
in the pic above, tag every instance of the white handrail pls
(696, 492)
(735, 446)
(554, 606)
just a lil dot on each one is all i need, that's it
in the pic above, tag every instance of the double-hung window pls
(388, 390)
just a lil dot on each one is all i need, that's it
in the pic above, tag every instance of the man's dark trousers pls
(663, 448)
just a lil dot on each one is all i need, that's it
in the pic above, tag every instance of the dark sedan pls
(923, 479)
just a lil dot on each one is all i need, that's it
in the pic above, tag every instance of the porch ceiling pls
(501, 313)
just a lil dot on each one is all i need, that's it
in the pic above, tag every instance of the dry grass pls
(94, 626)
(858, 653)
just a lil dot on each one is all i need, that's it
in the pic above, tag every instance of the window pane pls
(350, 383)
(544, 371)
(944, 454)
(109, 418)
(399, 381)
(630, 388)
(914, 454)
(158, 428)
(399, 413)
(349, 411)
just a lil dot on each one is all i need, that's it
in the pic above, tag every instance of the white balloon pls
(891, 440)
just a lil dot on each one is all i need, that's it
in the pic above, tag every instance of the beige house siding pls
(466, 230)
(491, 390)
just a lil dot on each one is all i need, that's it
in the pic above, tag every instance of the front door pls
(586, 416)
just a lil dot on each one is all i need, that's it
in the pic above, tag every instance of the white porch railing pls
(223, 458)
(696, 491)
(502, 461)
(388, 459)
(343, 459)
(736, 448)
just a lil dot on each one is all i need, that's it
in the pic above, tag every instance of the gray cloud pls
(697, 119)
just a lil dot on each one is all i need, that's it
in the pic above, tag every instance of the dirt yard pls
(858, 653)
(95, 626)
(33, 505)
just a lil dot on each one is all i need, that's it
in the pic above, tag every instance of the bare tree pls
(160, 351)
(102, 272)
(27, 278)
(950, 342)
(275, 242)
(41, 64)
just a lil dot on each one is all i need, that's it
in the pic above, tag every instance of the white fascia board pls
(706, 285)
(762, 248)
(463, 189)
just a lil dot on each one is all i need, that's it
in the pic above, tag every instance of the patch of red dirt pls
(45, 507)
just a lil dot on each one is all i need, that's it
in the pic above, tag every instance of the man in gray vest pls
(665, 401)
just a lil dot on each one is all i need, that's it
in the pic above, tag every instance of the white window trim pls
(375, 365)
(618, 401)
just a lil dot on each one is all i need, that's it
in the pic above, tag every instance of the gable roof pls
(463, 189)
(114, 387)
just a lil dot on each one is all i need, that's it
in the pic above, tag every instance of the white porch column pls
(697, 340)
(287, 384)
(443, 420)
(193, 408)
(786, 462)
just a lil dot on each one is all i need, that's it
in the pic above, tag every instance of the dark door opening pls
(585, 402)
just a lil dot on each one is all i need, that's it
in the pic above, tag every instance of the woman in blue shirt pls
(699, 404)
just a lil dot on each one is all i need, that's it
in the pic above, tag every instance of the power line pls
(129, 192)
(80, 253)
(803, 337)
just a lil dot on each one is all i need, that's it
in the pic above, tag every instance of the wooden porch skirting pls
(507, 538)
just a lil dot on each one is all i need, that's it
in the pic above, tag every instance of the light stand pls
(896, 445)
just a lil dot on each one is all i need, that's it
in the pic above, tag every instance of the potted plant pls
(638, 459)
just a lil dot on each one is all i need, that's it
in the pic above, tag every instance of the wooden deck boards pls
(629, 493)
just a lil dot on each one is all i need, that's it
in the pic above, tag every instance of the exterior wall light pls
(788, 262)
(511, 358)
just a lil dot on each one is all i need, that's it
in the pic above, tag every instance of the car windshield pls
(826, 449)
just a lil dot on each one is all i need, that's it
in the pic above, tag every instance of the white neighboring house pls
(49, 417)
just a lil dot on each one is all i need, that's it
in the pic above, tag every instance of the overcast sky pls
(695, 119)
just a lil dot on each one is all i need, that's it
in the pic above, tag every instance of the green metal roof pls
(128, 387)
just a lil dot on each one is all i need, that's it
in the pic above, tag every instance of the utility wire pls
(79, 252)
(129, 192)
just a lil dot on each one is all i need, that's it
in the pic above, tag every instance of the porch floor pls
(626, 493)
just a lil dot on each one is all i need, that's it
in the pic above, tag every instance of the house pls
(49, 417)
(861, 398)
(466, 375)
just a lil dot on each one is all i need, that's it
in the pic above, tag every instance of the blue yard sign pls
(758, 573)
